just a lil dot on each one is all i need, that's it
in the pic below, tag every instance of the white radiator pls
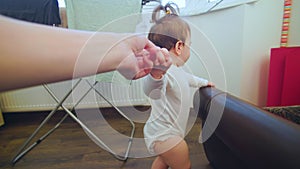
(38, 99)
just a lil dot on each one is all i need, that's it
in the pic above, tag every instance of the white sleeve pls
(195, 81)
(154, 88)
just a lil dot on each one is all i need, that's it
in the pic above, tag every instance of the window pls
(196, 7)
(61, 3)
(180, 3)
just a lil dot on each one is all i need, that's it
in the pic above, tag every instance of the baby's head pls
(170, 32)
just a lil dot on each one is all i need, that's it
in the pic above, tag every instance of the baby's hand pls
(161, 64)
(210, 84)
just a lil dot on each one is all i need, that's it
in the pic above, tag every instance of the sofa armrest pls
(252, 137)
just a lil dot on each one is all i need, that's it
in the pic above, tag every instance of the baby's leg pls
(177, 156)
(158, 163)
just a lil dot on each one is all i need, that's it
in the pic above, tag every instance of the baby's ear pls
(178, 47)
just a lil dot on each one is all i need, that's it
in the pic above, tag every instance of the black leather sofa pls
(246, 137)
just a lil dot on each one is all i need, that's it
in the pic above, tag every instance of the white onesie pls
(170, 103)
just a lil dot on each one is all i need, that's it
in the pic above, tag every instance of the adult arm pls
(33, 54)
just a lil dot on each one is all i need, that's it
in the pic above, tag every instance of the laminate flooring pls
(70, 147)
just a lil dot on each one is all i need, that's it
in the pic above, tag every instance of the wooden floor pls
(70, 147)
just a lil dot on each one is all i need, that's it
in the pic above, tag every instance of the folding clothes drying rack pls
(23, 150)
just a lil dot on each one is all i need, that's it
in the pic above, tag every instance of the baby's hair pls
(169, 29)
(168, 9)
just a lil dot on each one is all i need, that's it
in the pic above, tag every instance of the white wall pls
(294, 38)
(224, 29)
(243, 37)
(262, 24)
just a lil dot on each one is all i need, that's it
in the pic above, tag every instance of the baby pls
(165, 129)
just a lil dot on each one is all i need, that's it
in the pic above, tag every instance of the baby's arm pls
(161, 64)
(197, 82)
(154, 88)
(155, 83)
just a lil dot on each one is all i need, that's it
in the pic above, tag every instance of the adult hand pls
(143, 57)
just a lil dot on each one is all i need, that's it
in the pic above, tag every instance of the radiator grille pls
(37, 98)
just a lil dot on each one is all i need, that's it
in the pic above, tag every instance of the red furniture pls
(284, 77)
